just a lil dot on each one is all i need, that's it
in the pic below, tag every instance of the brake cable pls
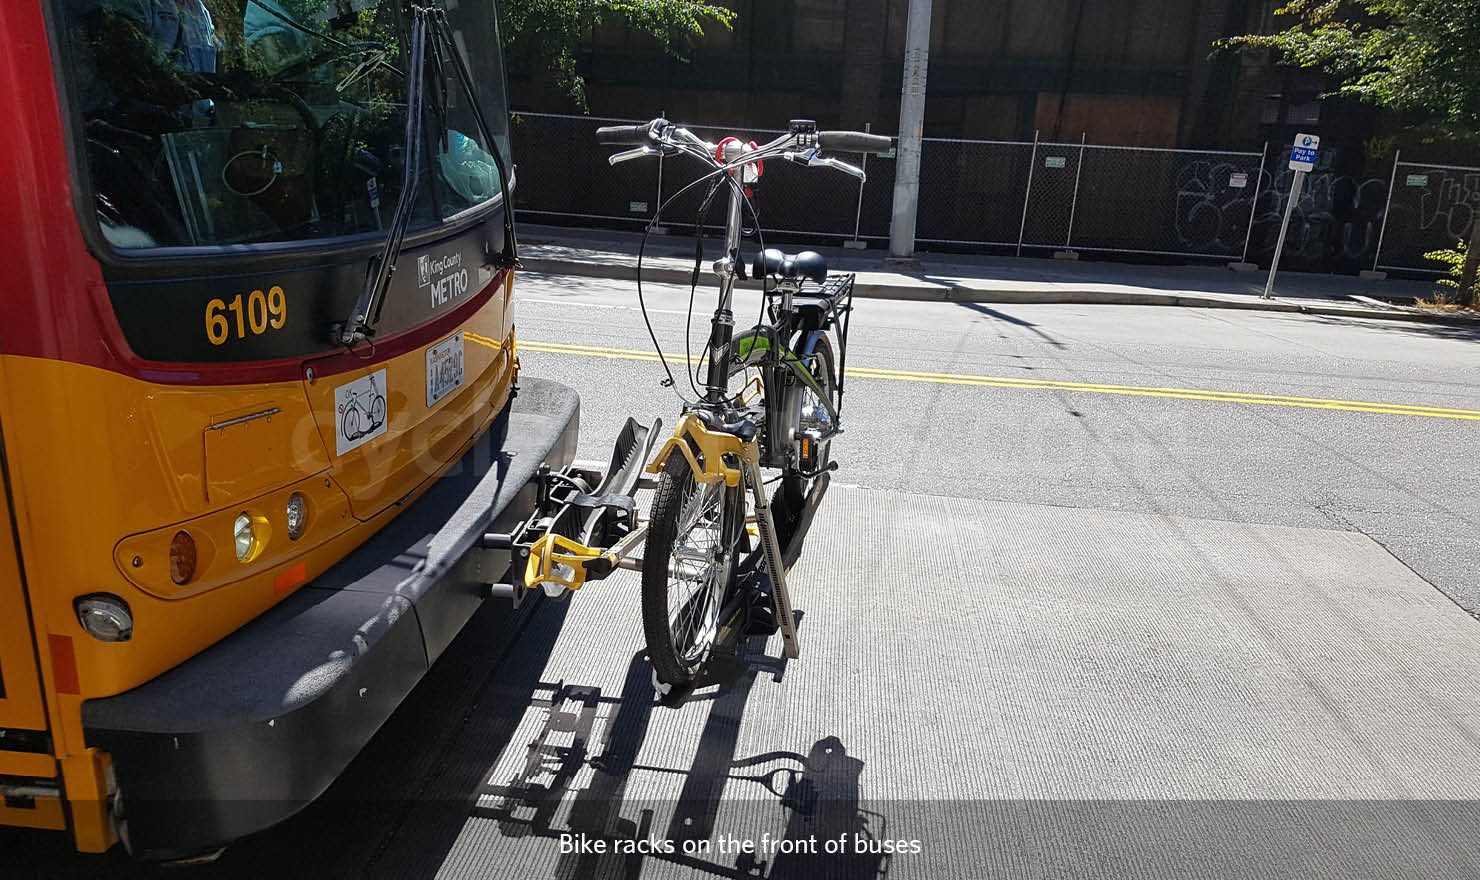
(642, 250)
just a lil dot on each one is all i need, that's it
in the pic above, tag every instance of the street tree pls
(551, 31)
(1417, 55)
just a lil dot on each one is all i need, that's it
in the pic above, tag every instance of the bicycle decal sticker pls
(359, 411)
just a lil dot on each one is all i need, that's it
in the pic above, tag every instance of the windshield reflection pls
(209, 122)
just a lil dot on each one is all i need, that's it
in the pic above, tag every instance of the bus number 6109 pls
(256, 312)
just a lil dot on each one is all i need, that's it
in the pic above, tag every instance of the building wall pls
(1124, 71)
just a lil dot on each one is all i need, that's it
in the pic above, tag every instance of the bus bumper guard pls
(257, 726)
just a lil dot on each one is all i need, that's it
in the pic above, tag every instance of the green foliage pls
(550, 31)
(1454, 258)
(1408, 54)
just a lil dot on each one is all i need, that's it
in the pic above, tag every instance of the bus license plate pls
(444, 368)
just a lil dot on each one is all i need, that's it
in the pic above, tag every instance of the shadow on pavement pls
(1017, 322)
(578, 777)
(1456, 332)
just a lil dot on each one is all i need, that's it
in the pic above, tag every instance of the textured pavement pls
(1402, 480)
(1013, 690)
(1163, 659)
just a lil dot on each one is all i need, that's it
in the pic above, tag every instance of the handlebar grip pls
(854, 142)
(624, 135)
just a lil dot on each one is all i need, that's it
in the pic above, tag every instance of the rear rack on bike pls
(833, 287)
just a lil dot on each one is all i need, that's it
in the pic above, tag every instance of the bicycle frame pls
(722, 325)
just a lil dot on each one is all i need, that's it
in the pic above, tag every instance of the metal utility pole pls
(911, 127)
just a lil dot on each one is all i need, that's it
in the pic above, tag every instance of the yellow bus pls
(258, 409)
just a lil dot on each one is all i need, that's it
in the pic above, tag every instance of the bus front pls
(241, 512)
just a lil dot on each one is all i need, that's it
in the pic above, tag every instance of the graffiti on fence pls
(1337, 215)
(1448, 205)
(1208, 219)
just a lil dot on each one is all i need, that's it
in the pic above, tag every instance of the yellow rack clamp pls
(712, 445)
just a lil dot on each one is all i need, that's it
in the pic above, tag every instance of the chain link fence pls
(1024, 197)
(1431, 207)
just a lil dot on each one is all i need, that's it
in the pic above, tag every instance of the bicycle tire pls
(674, 660)
(823, 367)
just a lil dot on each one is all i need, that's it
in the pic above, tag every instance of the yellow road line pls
(1052, 385)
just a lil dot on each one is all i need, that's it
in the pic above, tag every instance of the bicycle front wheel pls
(688, 569)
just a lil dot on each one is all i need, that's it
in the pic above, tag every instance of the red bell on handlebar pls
(752, 171)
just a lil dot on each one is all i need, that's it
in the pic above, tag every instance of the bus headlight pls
(297, 516)
(105, 617)
(246, 541)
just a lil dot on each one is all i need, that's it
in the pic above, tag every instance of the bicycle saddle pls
(789, 267)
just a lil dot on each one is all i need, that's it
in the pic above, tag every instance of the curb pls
(660, 274)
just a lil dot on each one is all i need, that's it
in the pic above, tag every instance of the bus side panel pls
(20, 684)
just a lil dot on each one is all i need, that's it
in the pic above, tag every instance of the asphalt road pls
(1100, 591)
(1405, 480)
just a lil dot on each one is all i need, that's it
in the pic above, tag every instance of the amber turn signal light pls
(182, 558)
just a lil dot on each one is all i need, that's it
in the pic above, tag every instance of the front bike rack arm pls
(578, 533)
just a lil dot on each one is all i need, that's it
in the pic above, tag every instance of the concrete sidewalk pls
(669, 259)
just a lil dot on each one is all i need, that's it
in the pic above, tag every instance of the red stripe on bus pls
(287, 580)
(63, 665)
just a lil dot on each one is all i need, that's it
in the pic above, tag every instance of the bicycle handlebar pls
(627, 135)
(854, 142)
(660, 137)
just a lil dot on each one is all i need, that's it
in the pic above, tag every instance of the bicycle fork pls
(771, 548)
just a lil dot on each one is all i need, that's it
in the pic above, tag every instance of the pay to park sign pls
(1303, 153)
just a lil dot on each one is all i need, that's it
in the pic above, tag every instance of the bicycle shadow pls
(818, 791)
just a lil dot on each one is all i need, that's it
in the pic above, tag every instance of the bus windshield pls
(228, 122)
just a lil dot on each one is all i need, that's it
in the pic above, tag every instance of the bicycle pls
(700, 572)
(354, 408)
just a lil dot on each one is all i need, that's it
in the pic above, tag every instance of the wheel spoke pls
(696, 571)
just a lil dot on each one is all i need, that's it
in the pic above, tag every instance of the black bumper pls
(251, 730)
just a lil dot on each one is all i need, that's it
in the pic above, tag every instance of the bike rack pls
(554, 549)
(578, 534)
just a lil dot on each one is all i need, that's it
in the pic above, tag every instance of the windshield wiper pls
(427, 21)
(509, 257)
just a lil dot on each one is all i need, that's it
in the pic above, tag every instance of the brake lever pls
(629, 155)
(813, 159)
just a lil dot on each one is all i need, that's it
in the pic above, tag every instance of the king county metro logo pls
(424, 269)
